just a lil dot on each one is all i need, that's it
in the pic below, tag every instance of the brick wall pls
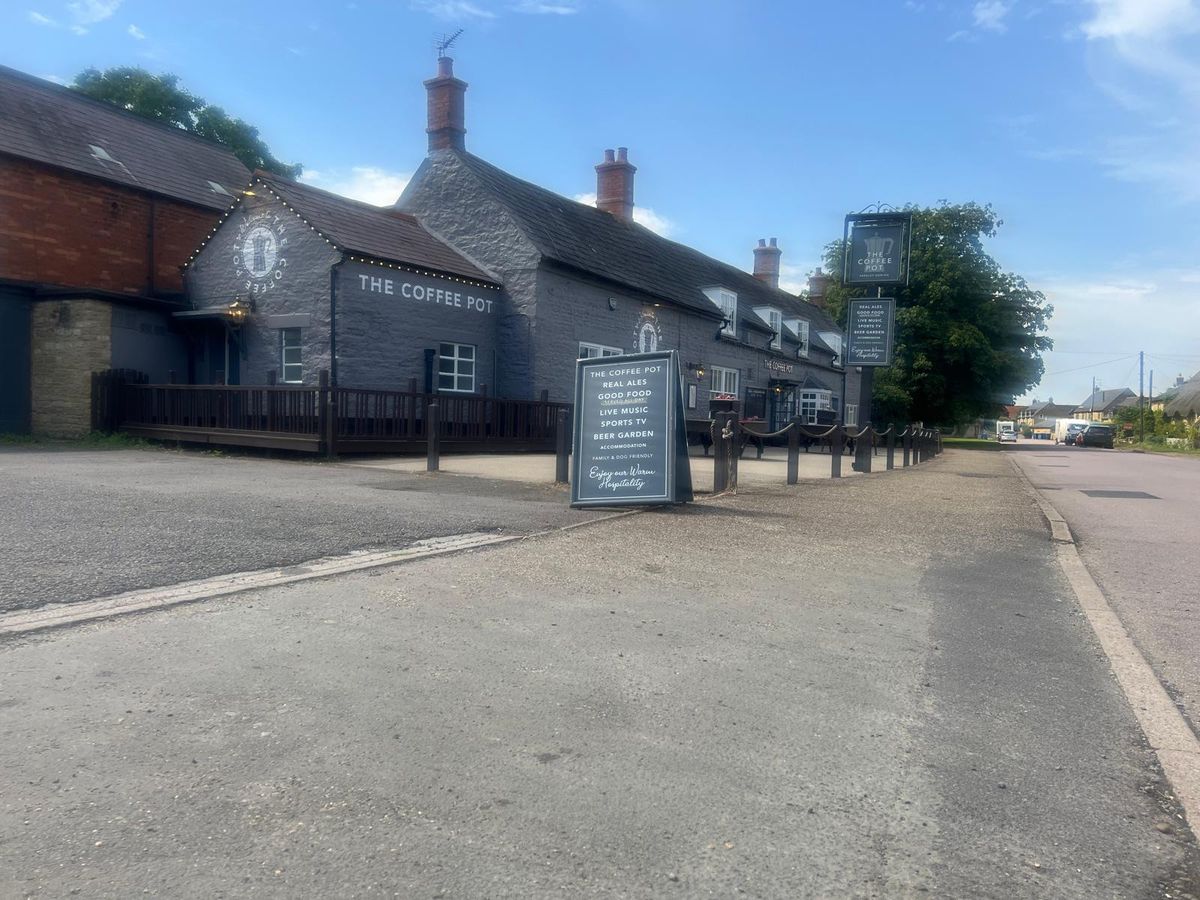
(58, 227)
(70, 339)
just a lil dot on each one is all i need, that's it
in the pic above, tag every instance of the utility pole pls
(1092, 412)
(1141, 397)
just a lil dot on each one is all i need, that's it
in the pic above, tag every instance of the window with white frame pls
(800, 327)
(852, 414)
(726, 301)
(290, 369)
(591, 351)
(724, 381)
(774, 318)
(811, 402)
(456, 367)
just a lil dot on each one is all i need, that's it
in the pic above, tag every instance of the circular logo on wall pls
(648, 335)
(258, 252)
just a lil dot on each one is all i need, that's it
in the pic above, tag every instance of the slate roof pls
(1186, 401)
(374, 231)
(1105, 401)
(1050, 410)
(57, 126)
(588, 239)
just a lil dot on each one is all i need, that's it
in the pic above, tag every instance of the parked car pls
(1007, 437)
(1096, 436)
(1071, 436)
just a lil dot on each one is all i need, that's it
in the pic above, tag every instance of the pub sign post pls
(630, 436)
(877, 245)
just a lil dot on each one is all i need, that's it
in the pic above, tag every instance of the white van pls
(1061, 426)
(1006, 431)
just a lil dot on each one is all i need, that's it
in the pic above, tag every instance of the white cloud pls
(85, 13)
(57, 79)
(136, 33)
(538, 7)
(38, 19)
(643, 215)
(1139, 18)
(453, 10)
(794, 279)
(990, 15)
(370, 184)
(1146, 53)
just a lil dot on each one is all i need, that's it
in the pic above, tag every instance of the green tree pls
(969, 336)
(161, 99)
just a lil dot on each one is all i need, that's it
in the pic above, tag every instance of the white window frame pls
(852, 414)
(588, 350)
(724, 377)
(800, 326)
(297, 344)
(809, 402)
(774, 318)
(726, 301)
(458, 363)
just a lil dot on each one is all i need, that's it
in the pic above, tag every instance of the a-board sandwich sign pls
(630, 437)
(870, 331)
(877, 247)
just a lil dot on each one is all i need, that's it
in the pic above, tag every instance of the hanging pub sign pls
(630, 441)
(877, 246)
(871, 326)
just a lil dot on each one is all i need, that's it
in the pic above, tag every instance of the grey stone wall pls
(453, 205)
(386, 318)
(297, 288)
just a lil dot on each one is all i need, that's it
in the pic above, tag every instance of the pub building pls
(477, 281)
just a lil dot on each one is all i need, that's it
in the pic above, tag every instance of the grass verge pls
(970, 443)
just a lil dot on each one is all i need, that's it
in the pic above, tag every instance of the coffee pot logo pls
(879, 246)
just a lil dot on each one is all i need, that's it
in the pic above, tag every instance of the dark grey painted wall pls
(298, 285)
(14, 361)
(386, 319)
(147, 341)
(548, 310)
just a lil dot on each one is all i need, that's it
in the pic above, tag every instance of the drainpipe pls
(335, 273)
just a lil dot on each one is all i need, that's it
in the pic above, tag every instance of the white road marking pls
(1168, 733)
(56, 615)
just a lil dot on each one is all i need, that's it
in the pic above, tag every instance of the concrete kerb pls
(1168, 733)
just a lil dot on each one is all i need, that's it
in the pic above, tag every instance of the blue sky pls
(1077, 119)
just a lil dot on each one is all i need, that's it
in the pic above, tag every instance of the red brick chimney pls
(818, 286)
(614, 184)
(766, 262)
(447, 110)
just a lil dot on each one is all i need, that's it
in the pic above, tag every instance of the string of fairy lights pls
(258, 182)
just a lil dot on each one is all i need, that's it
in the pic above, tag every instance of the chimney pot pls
(446, 108)
(766, 262)
(614, 184)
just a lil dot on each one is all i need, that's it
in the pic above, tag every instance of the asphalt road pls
(81, 524)
(1142, 550)
(874, 688)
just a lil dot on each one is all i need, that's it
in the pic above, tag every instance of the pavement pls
(538, 468)
(875, 687)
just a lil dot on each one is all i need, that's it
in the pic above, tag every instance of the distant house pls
(1185, 401)
(1046, 410)
(101, 209)
(1101, 405)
